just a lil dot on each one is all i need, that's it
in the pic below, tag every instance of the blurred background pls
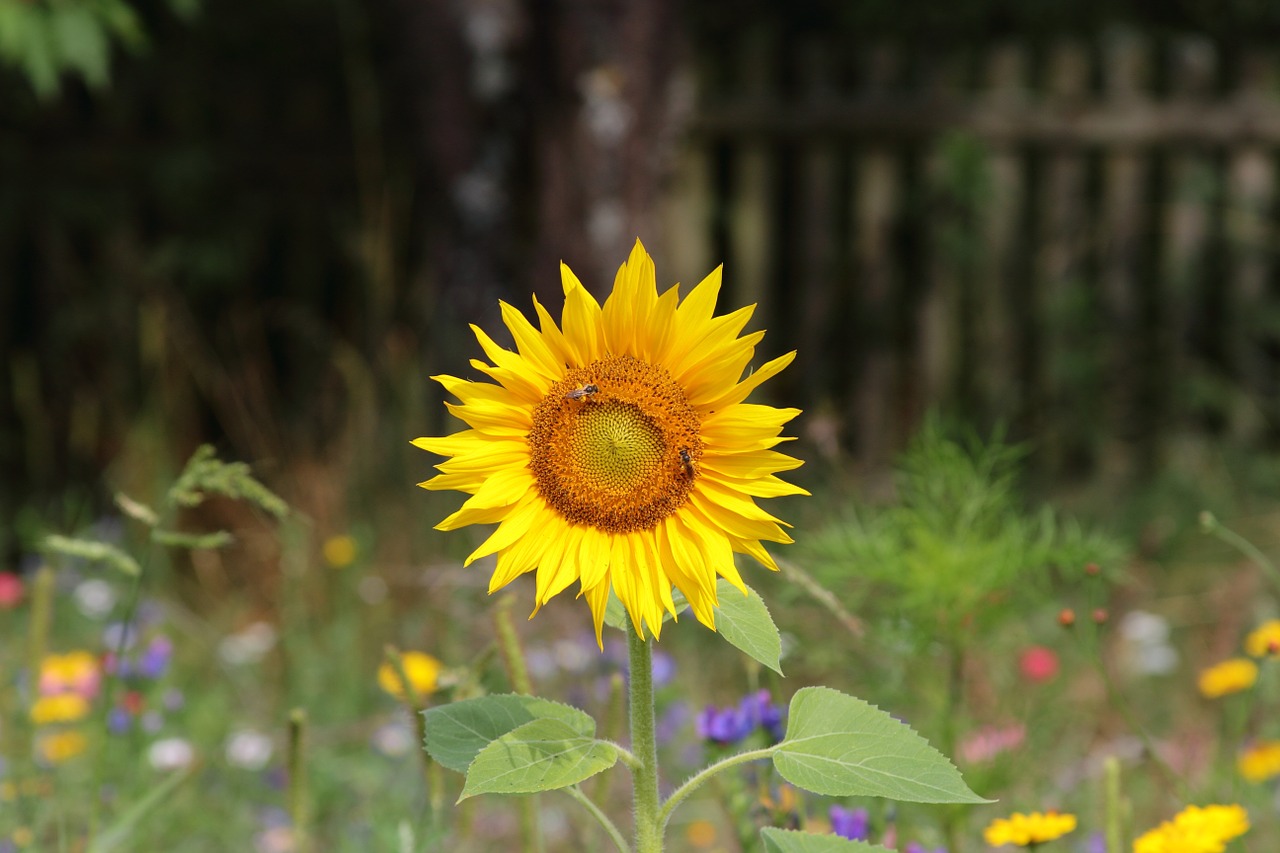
(263, 224)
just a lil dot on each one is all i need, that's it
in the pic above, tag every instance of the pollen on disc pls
(613, 459)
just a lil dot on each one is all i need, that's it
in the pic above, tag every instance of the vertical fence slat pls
(1064, 388)
(875, 207)
(1250, 182)
(1120, 223)
(1186, 220)
(816, 215)
(753, 179)
(1006, 76)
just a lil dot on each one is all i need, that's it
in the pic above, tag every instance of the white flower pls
(171, 753)
(95, 598)
(249, 750)
(249, 645)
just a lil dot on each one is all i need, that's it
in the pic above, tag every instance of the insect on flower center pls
(615, 445)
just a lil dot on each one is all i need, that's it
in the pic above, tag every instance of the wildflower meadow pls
(963, 670)
(511, 427)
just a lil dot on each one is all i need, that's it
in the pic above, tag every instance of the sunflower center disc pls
(615, 445)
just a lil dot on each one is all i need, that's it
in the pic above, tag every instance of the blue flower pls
(852, 824)
(724, 725)
(763, 713)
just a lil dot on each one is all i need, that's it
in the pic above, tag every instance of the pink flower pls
(1038, 664)
(10, 590)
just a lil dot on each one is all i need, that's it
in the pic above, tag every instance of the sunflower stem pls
(644, 745)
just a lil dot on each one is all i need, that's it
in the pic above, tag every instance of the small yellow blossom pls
(340, 551)
(1195, 830)
(1230, 676)
(22, 837)
(422, 670)
(1261, 761)
(59, 708)
(74, 672)
(61, 746)
(1028, 829)
(1264, 641)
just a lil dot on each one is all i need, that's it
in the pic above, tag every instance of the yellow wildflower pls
(1260, 762)
(1230, 676)
(74, 672)
(701, 834)
(61, 746)
(1264, 641)
(1195, 830)
(1027, 829)
(422, 670)
(59, 708)
(340, 551)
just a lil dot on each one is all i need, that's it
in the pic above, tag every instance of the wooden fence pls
(1076, 238)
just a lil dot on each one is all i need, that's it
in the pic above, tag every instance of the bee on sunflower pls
(649, 487)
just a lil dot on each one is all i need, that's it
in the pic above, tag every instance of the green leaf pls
(842, 747)
(744, 622)
(541, 755)
(81, 42)
(457, 732)
(789, 841)
(615, 615)
(93, 551)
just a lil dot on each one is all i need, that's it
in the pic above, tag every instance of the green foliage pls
(541, 755)
(206, 475)
(789, 841)
(458, 732)
(46, 39)
(959, 547)
(94, 552)
(744, 622)
(841, 746)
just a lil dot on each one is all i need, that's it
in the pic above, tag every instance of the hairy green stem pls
(698, 780)
(644, 744)
(603, 819)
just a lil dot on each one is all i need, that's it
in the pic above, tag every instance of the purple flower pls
(664, 669)
(118, 721)
(723, 725)
(763, 713)
(154, 660)
(852, 824)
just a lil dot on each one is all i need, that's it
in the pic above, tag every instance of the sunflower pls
(616, 449)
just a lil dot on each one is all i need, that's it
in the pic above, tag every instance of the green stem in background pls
(42, 588)
(299, 793)
(1209, 524)
(518, 674)
(609, 827)
(698, 780)
(1115, 806)
(950, 733)
(1093, 647)
(432, 776)
(644, 745)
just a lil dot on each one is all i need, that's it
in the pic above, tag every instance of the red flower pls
(1038, 664)
(10, 590)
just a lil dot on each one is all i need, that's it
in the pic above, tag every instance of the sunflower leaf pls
(745, 623)
(843, 747)
(541, 755)
(459, 731)
(789, 841)
(615, 615)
